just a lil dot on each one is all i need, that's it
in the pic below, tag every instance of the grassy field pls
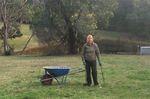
(109, 35)
(127, 77)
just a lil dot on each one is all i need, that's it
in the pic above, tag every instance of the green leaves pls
(70, 21)
(132, 16)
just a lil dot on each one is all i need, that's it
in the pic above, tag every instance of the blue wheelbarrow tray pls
(57, 71)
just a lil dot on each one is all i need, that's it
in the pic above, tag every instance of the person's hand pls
(84, 63)
(100, 64)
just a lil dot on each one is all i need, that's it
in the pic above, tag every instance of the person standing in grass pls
(89, 53)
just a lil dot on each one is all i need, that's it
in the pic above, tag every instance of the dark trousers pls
(91, 67)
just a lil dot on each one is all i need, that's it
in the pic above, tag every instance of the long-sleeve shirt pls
(90, 52)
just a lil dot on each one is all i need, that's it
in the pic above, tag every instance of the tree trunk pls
(72, 45)
(72, 41)
(6, 47)
(27, 43)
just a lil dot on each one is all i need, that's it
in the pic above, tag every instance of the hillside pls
(111, 35)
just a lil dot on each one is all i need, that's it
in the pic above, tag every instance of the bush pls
(45, 50)
(117, 46)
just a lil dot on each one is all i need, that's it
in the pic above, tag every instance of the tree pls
(69, 21)
(132, 16)
(119, 21)
(10, 13)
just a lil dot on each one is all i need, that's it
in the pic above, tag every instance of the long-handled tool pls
(102, 73)
(101, 68)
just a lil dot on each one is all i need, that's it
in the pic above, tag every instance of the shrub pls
(118, 46)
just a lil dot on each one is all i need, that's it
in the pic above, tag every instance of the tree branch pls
(14, 17)
(78, 16)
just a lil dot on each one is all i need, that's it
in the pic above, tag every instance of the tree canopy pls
(69, 21)
(132, 16)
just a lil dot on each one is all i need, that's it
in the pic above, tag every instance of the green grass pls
(127, 77)
(112, 35)
(19, 43)
(109, 35)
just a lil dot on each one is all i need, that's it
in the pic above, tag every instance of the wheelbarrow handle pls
(46, 79)
(77, 72)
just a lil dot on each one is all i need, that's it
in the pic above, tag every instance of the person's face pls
(89, 40)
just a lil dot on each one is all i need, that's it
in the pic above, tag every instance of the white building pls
(145, 50)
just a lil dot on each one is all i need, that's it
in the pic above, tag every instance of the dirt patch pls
(35, 50)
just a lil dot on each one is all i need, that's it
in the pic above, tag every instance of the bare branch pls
(2, 10)
(14, 17)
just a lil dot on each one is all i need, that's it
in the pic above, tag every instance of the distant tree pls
(132, 16)
(119, 21)
(69, 21)
(10, 12)
(139, 19)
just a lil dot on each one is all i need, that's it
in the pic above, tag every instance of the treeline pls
(132, 16)
(67, 22)
(129, 16)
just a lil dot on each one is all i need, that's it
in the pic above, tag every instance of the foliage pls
(11, 12)
(68, 22)
(118, 46)
(16, 12)
(132, 16)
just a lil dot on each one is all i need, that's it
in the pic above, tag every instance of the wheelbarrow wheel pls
(47, 79)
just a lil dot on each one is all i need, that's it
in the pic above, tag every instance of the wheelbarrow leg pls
(57, 81)
(46, 72)
(64, 79)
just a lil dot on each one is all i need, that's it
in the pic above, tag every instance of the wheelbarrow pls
(55, 72)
